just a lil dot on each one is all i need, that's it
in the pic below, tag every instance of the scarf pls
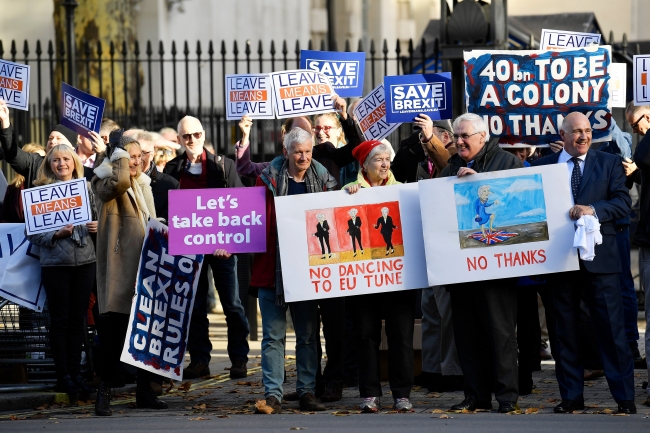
(364, 182)
(140, 191)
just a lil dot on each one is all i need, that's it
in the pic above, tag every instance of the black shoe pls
(569, 406)
(309, 403)
(196, 370)
(148, 400)
(238, 370)
(103, 402)
(331, 394)
(471, 404)
(292, 396)
(508, 406)
(627, 407)
(646, 402)
(639, 361)
(525, 383)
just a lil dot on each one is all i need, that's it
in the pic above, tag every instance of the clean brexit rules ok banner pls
(161, 309)
(80, 111)
(409, 95)
(56, 205)
(14, 84)
(345, 70)
(250, 94)
(371, 115)
(525, 95)
(301, 93)
(203, 220)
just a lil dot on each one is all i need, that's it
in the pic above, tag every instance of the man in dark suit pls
(197, 169)
(354, 229)
(387, 227)
(598, 187)
(323, 234)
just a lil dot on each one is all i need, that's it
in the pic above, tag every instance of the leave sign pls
(56, 205)
(641, 80)
(525, 95)
(301, 93)
(561, 39)
(345, 70)
(80, 111)
(371, 115)
(409, 95)
(249, 94)
(14, 84)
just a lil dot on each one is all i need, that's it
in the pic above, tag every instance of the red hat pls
(362, 151)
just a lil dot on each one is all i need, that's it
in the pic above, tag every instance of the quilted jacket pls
(64, 251)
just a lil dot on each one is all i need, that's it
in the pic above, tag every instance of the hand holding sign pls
(80, 111)
(425, 124)
(64, 232)
(342, 106)
(4, 115)
(245, 126)
(98, 143)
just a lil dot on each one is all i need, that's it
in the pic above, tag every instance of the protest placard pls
(501, 224)
(301, 93)
(336, 244)
(371, 115)
(525, 95)
(203, 220)
(161, 310)
(50, 207)
(344, 69)
(562, 39)
(618, 84)
(250, 94)
(80, 111)
(641, 80)
(409, 95)
(20, 268)
(14, 84)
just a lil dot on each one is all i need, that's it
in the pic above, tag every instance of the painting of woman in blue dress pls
(481, 204)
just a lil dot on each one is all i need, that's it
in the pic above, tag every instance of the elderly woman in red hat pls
(396, 308)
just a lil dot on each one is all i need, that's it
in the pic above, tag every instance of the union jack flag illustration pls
(493, 237)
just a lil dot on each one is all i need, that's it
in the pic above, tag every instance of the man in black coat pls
(323, 234)
(197, 169)
(354, 229)
(597, 182)
(484, 313)
(386, 230)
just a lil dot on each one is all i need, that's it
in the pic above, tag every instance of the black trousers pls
(529, 335)
(68, 291)
(325, 240)
(388, 238)
(398, 310)
(356, 236)
(332, 316)
(603, 298)
(484, 314)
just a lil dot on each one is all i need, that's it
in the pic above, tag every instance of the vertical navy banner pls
(162, 306)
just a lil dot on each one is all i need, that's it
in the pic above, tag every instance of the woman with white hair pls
(397, 308)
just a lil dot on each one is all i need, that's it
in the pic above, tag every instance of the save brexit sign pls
(56, 205)
(345, 70)
(203, 220)
(525, 95)
(561, 39)
(14, 84)
(249, 94)
(80, 111)
(410, 95)
(301, 93)
(371, 115)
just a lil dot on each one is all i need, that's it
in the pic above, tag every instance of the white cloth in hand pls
(587, 236)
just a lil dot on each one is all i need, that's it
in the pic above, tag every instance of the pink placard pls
(204, 220)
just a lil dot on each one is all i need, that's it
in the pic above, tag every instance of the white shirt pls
(196, 168)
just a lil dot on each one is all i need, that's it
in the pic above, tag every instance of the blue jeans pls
(225, 280)
(274, 326)
(630, 307)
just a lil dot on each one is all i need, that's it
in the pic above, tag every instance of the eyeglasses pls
(326, 129)
(635, 125)
(464, 137)
(196, 135)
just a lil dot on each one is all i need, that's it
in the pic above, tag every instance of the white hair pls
(180, 122)
(483, 188)
(353, 210)
(320, 215)
(382, 148)
(296, 136)
(477, 123)
(384, 209)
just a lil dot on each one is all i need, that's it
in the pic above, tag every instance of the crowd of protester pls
(484, 337)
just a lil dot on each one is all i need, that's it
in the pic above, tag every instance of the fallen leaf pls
(121, 412)
(298, 428)
(620, 414)
(198, 418)
(83, 416)
(482, 410)
(245, 383)
(607, 411)
(185, 386)
(233, 391)
(199, 406)
(437, 411)
(433, 395)
(223, 416)
(552, 400)
(532, 410)
(262, 407)
(43, 407)
(444, 416)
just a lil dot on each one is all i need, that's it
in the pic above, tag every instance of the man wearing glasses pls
(484, 313)
(198, 169)
(639, 171)
(597, 183)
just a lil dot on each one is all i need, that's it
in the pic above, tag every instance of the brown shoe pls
(309, 403)
(271, 402)
(238, 370)
(646, 402)
(292, 396)
(196, 370)
(593, 374)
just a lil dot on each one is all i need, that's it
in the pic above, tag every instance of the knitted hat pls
(67, 133)
(117, 138)
(362, 151)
